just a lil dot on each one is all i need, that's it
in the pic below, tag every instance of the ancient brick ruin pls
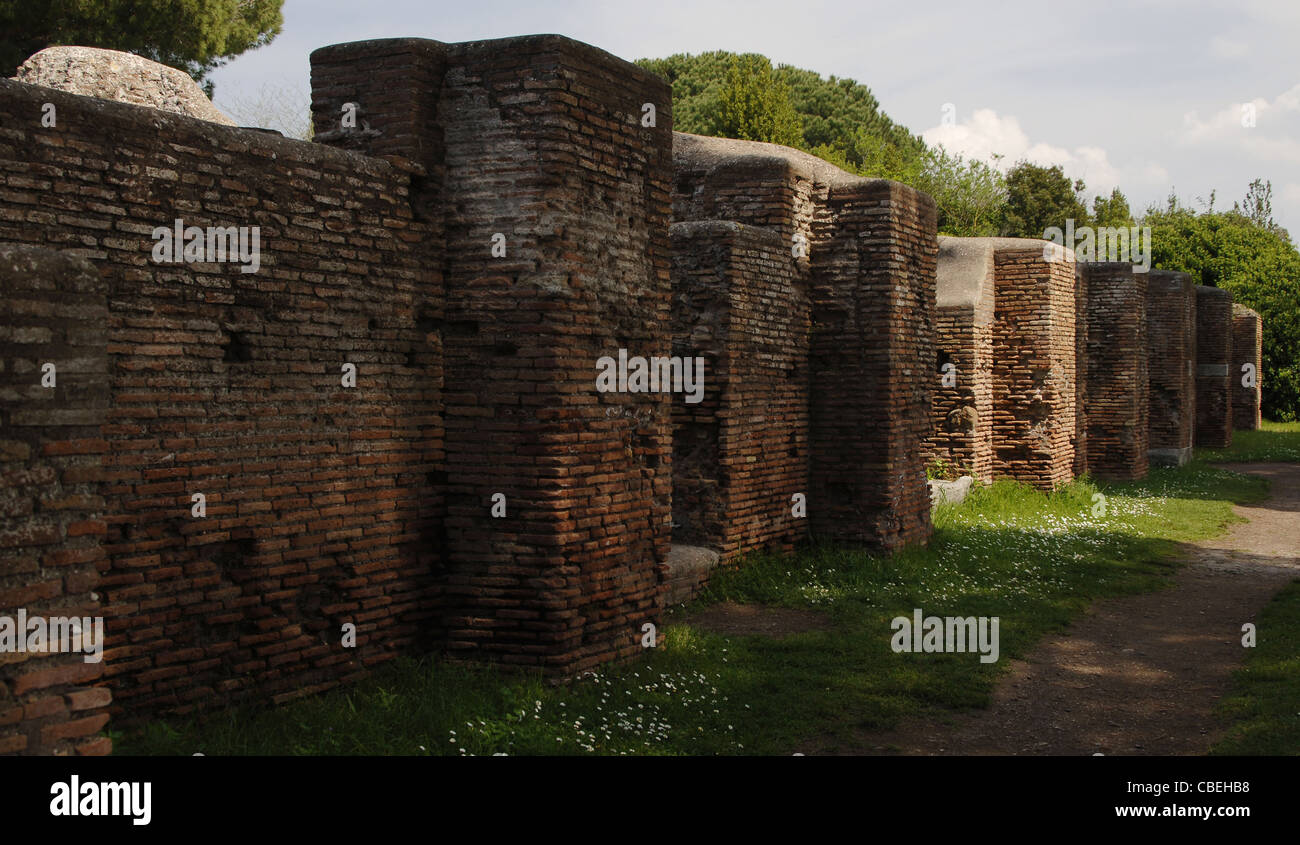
(1008, 374)
(393, 420)
(1246, 365)
(1130, 380)
(741, 454)
(51, 506)
(1115, 395)
(1035, 379)
(1171, 366)
(962, 406)
(1213, 367)
(864, 252)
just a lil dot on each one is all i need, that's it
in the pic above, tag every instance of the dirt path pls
(1141, 674)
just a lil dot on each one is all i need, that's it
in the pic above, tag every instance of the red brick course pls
(1214, 379)
(1247, 349)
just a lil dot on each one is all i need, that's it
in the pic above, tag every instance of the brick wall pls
(1247, 348)
(371, 504)
(1079, 467)
(320, 504)
(1035, 388)
(538, 140)
(742, 453)
(1213, 367)
(1116, 404)
(1171, 365)
(870, 262)
(51, 510)
(962, 414)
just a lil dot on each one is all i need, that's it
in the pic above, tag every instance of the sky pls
(1153, 96)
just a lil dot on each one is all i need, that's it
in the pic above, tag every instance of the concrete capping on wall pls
(1171, 366)
(51, 503)
(1214, 391)
(1117, 403)
(1247, 349)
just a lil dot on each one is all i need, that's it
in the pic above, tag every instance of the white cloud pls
(987, 134)
(1233, 120)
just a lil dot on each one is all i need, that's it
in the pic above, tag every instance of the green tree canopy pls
(1253, 258)
(1040, 197)
(754, 105)
(1112, 211)
(834, 115)
(195, 36)
(743, 96)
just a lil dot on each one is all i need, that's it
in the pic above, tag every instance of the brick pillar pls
(51, 524)
(1116, 399)
(1079, 466)
(1171, 366)
(1034, 364)
(1247, 349)
(553, 201)
(741, 454)
(872, 357)
(870, 263)
(1213, 367)
(962, 414)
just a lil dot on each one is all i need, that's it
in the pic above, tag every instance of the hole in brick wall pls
(944, 358)
(372, 324)
(236, 349)
(422, 199)
(505, 347)
(460, 328)
(436, 477)
(427, 323)
(646, 444)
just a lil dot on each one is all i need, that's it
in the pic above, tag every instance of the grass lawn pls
(1264, 706)
(1263, 709)
(1031, 559)
(1274, 443)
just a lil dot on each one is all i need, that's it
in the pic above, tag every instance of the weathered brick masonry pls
(1080, 465)
(55, 312)
(1009, 320)
(962, 415)
(538, 140)
(870, 262)
(1247, 348)
(1035, 379)
(1116, 400)
(741, 454)
(1213, 367)
(328, 504)
(320, 506)
(496, 222)
(1171, 366)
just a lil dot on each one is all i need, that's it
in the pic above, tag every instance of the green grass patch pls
(1264, 706)
(1273, 443)
(1033, 560)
